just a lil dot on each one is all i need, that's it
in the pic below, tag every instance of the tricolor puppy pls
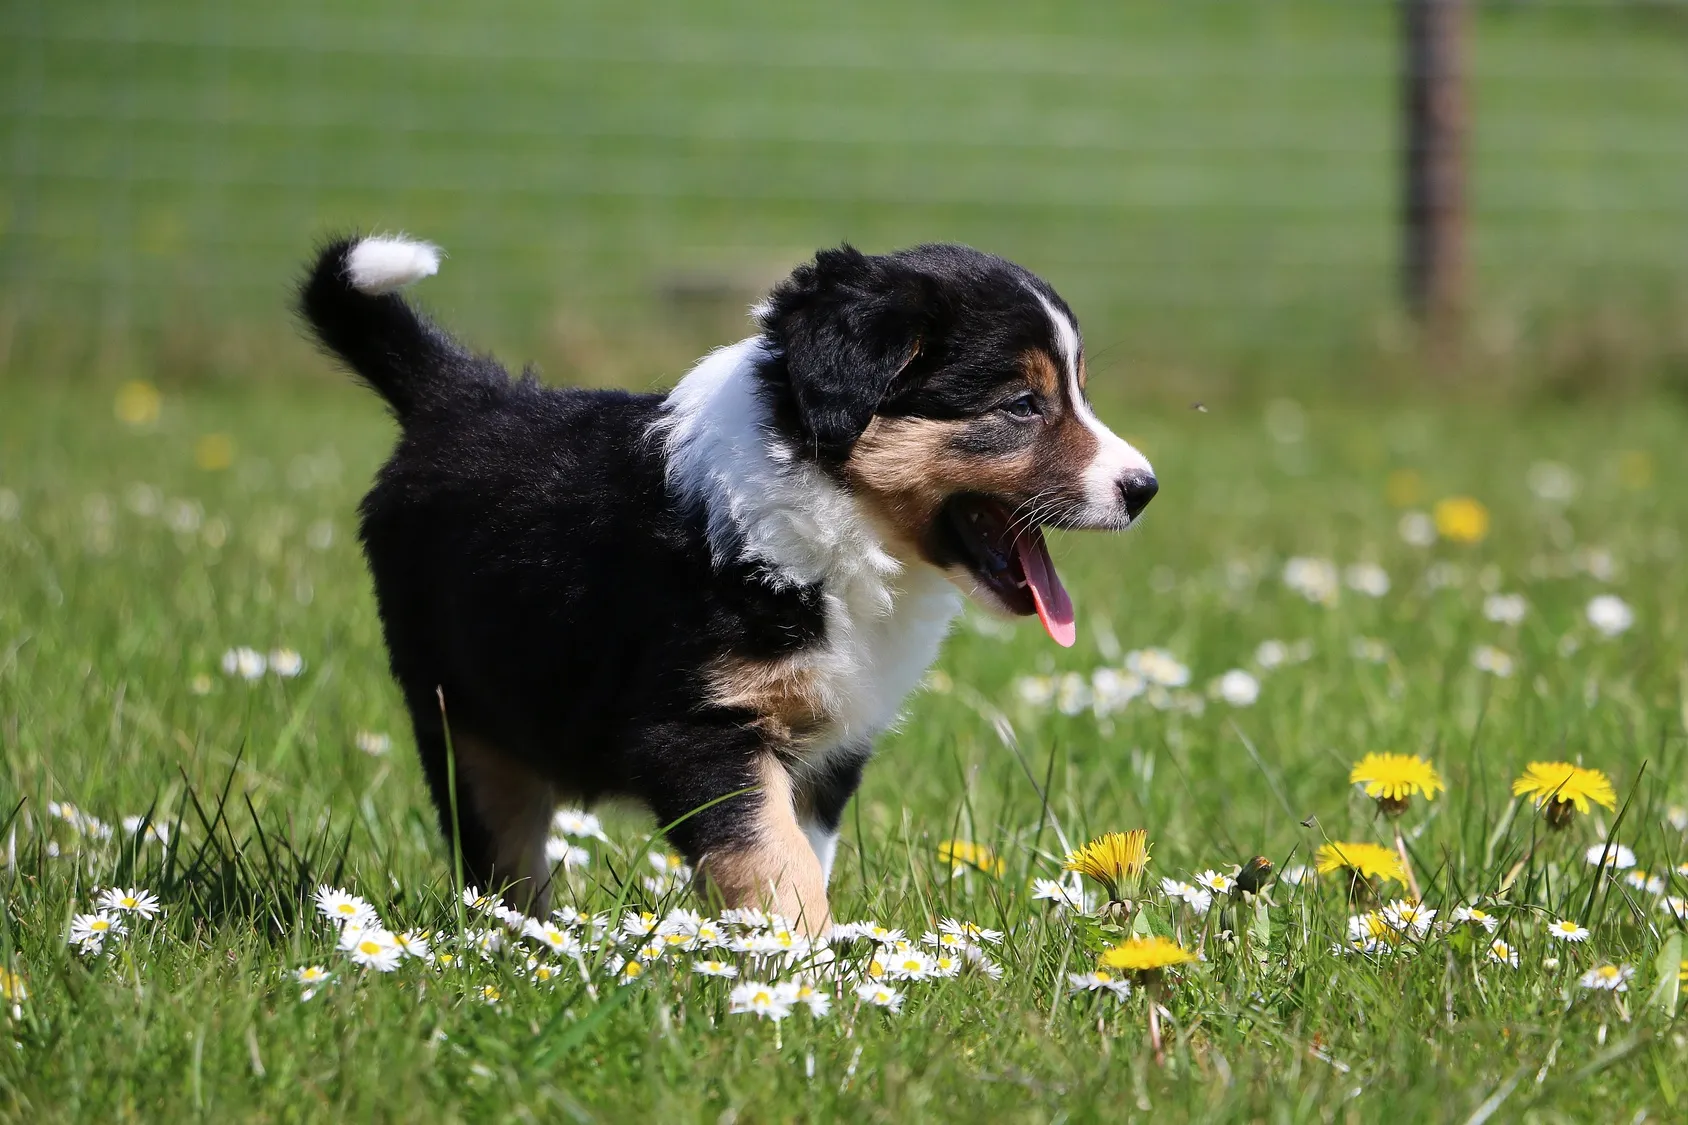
(728, 590)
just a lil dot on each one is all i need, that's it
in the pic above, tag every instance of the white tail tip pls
(385, 263)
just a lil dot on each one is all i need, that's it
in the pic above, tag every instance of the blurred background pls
(1214, 185)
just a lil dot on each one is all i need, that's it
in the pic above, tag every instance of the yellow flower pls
(1682, 973)
(965, 853)
(1393, 778)
(137, 403)
(1461, 519)
(214, 452)
(1146, 954)
(1560, 788)
(1115, 860)
(12, 988)
(1403, 488)
(1368, 860)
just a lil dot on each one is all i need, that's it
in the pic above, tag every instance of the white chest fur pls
(885, 616)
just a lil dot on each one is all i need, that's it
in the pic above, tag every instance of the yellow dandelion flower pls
(214, 452)
(1116, 860)
(1392, 779)
(1367, 860)
(1461, 519)
(1559, 789)
(1146, 954)
(137, 403)
(964, 853)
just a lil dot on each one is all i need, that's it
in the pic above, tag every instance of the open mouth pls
(1012, 562)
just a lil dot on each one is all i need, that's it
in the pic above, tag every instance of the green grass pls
(1195, 176)
(107, 617)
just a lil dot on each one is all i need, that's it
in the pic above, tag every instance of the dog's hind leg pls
(504, 811)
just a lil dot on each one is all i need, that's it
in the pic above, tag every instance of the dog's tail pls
(350, 299)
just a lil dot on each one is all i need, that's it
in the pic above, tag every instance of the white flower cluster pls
(250, 664)
(114, 909)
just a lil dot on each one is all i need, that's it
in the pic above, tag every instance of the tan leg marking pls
(777, 870)
(515, 805)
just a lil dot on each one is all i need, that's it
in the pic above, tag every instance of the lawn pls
(138, 553)
(1348, 556)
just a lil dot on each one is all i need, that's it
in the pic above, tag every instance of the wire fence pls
(1205, 182)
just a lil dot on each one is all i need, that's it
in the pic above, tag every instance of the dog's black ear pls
(848, 325)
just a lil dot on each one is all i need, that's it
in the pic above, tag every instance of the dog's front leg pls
(765, 859)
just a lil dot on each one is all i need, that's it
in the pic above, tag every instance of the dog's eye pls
(1022, 407)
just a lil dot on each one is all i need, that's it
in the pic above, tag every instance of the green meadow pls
(1482, 566)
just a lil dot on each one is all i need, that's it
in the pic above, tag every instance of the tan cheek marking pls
(905, 468)
(514, 804)
(777, 870)
(784, 694)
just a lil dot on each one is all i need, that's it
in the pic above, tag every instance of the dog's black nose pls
(1137, 489)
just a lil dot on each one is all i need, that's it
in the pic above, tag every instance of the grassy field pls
(1197, 176)
(131, 568)
(1211, 186)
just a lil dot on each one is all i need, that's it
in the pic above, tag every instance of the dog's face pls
(946, 388)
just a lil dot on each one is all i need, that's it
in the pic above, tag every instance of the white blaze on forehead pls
(1115, 458)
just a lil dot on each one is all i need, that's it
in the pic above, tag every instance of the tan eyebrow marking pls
(1042, 372)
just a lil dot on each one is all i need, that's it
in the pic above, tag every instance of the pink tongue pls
(1054, 607)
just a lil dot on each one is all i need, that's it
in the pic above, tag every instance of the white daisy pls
(132, 901)
(559, 849)
(151, 832)
(756, 998)
(373, 743)
(1158, 666)
(1099, 981)
(1643, 881)
(943, 941)
(1295, 876)
(373, 948)
(578, 823)
(1067, 896)
(880, 996)
(1610, 615)
(1197, 899)
(714, 969)
(1367, 578)
(544, 972)
(88, 932)
(969, 931)
(414, 943)
(910, 965)
(1215, 883)
(1607, 978)
(486, 942)
(1487, 658)
(1238, 688)
(1617, 857)
(310, 979)
(480, 901)
(1564, 929)
(639, 923)
(286, 663)
(247, 663)
(344, 908)
(747, 917)
(1675, 906)
(1502, 953)
(1475, 916)
(946, 964)
(1505, 609)
(553, 937)
(796, 992)
(1412, 918)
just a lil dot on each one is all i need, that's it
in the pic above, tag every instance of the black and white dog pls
(728, 590)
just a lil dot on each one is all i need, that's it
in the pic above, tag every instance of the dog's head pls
(946, 389)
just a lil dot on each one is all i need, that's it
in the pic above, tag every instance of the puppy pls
(712, 600)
